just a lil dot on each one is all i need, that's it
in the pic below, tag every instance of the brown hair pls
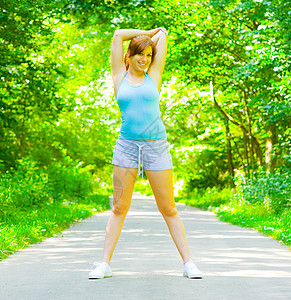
(137, 45)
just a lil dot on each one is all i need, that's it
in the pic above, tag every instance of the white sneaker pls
(102, 270)
(191, 271)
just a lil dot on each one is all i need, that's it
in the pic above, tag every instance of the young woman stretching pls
(142, 139)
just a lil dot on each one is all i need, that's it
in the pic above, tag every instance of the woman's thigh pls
(123, 186)
(161, 183)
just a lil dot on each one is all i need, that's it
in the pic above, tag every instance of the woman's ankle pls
(106, 260)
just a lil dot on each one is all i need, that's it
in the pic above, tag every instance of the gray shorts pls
(154, 155)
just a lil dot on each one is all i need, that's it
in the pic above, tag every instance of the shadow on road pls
(237, 263)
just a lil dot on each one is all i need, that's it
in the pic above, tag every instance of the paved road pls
(237, 263)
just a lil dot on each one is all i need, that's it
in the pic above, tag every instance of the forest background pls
(225, 102)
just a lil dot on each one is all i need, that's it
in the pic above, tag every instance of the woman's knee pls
(120, 208)
(168, 210)
(121, 200)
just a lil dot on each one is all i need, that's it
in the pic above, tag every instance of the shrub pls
(25, 187)
(206, 199)
(31, 187)
(273, 190)
(28, 210)
(67, 179)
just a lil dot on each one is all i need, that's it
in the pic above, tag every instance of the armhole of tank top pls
(152, 81)
(120, 84)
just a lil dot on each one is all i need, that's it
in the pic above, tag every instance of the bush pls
(27, 187)
(29, 211)
(206, 199)
(273, 190)
(68, 180)
(31, 187)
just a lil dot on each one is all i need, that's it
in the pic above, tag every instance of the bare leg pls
(123, 185)
(162, 186)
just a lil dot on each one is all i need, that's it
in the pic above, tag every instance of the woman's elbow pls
(116, 33)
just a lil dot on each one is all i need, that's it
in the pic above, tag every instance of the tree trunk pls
(248, 137)
(246, 152)
(258, 151)
(269, 148)
(271, 140)
(229, 154)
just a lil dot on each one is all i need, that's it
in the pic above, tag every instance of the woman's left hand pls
(164, 30)
(156, 30)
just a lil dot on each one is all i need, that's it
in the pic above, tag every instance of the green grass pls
(21, 227)
(237, 212)
(277, 226)
(206, 200)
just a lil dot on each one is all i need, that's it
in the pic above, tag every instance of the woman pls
(142, 139)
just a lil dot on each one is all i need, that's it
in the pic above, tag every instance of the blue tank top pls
(140, 111)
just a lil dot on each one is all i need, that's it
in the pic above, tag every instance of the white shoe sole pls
(99, 277)
(195, 276)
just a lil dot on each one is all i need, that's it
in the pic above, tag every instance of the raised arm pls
(157, 66)
(118, 69)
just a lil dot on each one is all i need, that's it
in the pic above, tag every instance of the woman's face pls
(142, 60)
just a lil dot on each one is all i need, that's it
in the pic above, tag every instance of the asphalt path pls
(237, 263)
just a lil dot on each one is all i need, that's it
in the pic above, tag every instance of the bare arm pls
(118, 69)
(157, 66)
(128, 34)
(117, 64)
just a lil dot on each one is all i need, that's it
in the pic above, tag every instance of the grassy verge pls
(257, 216)
(22, 227)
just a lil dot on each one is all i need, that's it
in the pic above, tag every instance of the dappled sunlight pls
(240, 252)
(128, 273)
(222, 236)
(146, 254)
(145, 213)
(252, 273)
(63, 250)
(132, 230)
(196, 211)
(214, 84)
(167, 272)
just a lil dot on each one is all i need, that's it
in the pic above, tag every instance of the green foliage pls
(57, 93)
(57, 105)
(31, 187)
(243, 49)
(272, 190)
(231, 206)
(206, 199)
(262, 203)
(27, 85)
(28, 187)
(35, 224)
(67, 179)
(37, 203)
(257, 216)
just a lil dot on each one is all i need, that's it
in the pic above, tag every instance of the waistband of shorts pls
(143, 142)
(152, 144)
